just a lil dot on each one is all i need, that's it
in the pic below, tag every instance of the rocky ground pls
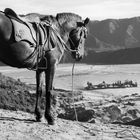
(106, 118)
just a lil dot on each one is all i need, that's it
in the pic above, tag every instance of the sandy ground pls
(15, 125)
(20, 125)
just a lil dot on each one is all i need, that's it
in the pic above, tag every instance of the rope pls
(62, 41)
(76, 117)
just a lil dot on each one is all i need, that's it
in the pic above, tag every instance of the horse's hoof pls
(38, 119)
(38, 115)
(51, 122)
(50, 119)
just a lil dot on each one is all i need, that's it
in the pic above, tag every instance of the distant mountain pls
(113, 41)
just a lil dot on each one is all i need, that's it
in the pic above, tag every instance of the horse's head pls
(77, 39)
(74, 31)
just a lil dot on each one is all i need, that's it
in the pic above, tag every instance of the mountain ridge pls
(111, 36)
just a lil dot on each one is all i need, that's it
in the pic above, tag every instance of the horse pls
(39, 45)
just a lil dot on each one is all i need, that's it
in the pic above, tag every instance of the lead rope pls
(76, 116)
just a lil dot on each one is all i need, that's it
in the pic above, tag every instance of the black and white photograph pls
(69, 69)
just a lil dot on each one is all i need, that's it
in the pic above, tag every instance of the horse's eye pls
(80, 34)
(86, 34)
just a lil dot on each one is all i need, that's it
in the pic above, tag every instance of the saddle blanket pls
(28, 32)
(24, 32)
(34, 32)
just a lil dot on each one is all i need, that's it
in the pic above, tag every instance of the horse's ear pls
(86, 21)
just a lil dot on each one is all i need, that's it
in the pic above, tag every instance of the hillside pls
(108, 117)
(121, 56)
(113, 34)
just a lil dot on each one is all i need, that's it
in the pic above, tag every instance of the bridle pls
(65, 46)
(82, 29)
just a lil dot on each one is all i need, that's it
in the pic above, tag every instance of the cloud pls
(110, 9)
(95, 9)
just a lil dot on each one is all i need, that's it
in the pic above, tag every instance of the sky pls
(94, 9)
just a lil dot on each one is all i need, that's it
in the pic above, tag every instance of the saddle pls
(36, 33)
(33, 32)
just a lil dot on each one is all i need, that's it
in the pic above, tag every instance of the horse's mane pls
(60, 17)
(49, 18)
(63, 17)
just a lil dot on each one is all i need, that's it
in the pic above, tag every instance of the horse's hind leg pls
(39, 85)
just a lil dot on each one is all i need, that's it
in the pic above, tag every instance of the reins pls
(62, 41)
(70, 50)
(76, 116)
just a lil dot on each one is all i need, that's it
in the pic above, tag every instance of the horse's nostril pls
(78, 57)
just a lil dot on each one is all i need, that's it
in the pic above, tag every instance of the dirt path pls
(15, 125)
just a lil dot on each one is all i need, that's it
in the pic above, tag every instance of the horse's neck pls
(60, 41)
(59, 52)
(65, 30)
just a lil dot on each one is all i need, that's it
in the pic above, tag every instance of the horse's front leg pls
(50, 112)
(39, 85)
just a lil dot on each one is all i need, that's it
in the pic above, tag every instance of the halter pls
(77, 49)
(63, 42)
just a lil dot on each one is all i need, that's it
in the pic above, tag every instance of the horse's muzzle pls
(78, 57)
